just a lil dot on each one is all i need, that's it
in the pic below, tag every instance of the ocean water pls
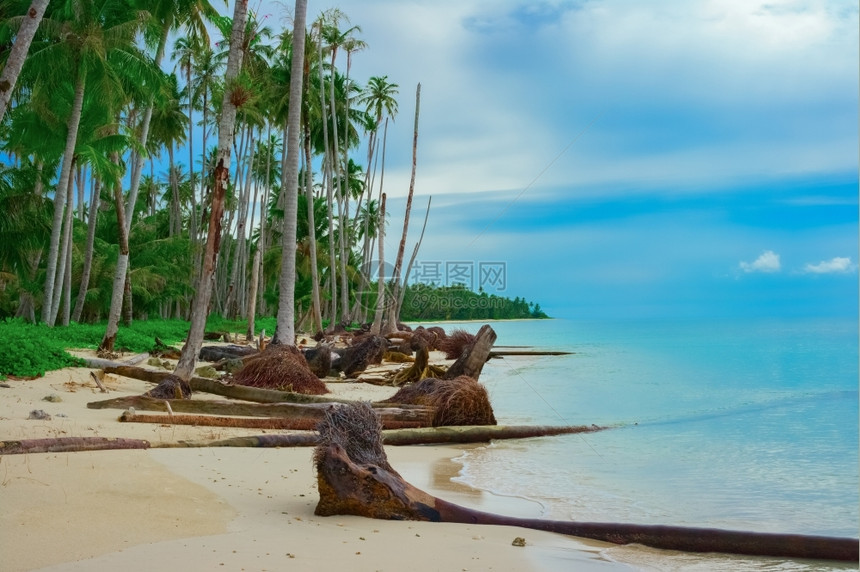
(738, 425)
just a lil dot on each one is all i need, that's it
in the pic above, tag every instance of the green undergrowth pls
(30, 350)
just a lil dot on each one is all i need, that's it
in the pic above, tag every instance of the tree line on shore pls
(96, 95)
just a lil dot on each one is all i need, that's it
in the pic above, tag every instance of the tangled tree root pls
(354, 477)
(455, 343)
(280, 367)
(458, 401)
(420, 369)
(171, 387)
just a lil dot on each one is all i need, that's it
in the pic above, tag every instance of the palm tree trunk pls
(312, 235)
(64, 251)
(67, 280)
(192, 222)
(203, 293)
(231, 308)
(80, 183)
(88, 255)
(380, 284)
(119, 277)
(18, 53)
(60, 196)
(175, 212)
(137, 168)
(340, 178)
(394, 315)
(285, 332)
(252, 296)
(327, 174)
(262, 246)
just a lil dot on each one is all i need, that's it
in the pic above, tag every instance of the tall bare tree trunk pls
(203, 294)
(285, 332)
(394, 315)
(18, 54)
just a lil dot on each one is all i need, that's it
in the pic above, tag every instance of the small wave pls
(747, 408)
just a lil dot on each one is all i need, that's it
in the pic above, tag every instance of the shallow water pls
(747, 426)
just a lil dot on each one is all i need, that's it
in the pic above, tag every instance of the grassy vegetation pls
(30, 350)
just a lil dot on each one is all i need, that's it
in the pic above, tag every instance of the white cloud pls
(835, 265)
(767, 262)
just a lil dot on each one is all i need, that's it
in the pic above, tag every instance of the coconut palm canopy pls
(110, 146)
(125, 95)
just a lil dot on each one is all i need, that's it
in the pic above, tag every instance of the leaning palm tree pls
(203, 293)
(28, 25)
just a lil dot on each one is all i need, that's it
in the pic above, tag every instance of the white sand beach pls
(227, 508)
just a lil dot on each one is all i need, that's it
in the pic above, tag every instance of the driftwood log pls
(282, 423)
(97, 363)
(503, 353)
(422, 436)
(472, 361)
(68, 444)
(422, 416)
(216, 387)
(354, 477)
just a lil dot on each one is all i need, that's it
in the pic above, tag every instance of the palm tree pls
(285, 331)
(27, 30)
(107, 343)
(336, 39)
(166, 15)
(25, 225)
(89, 40)
(203, 293)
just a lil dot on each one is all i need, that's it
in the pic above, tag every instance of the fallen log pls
(283, 423)
(422, 416)
(216, 387)
(405, 437)
(396, 437)
(307, 439)
(99, 363)
(69, 444)
(354, 477)
(503, 353)
(258, 394)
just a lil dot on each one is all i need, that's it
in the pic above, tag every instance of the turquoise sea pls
(739, 425)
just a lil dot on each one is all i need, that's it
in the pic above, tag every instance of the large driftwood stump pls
(355, 478)
(472, 361)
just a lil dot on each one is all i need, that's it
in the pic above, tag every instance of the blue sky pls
(626, 158)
